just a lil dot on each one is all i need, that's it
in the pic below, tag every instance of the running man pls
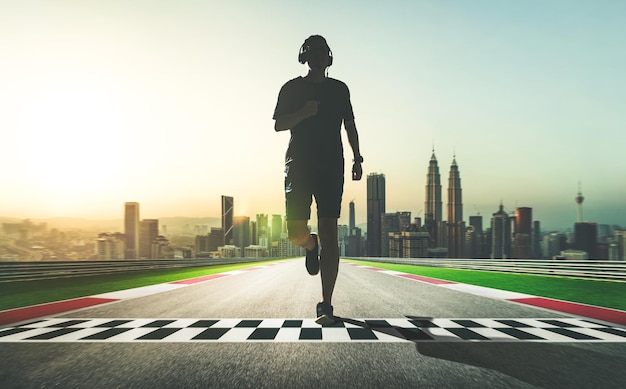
(314, 107)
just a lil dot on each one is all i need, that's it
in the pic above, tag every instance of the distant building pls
(433, 214)
(577, 255)
(586, 238)
(131, 229)
(409, 244)
(620, 242)
(161, 248)
(356, 244)
(352, 218)
(241, 232)
(287, 249)
(229, 251)
(375, 210)
(262, 230)
(455, 226)
(256, 251)
(216, 237)
(536, 241)
(343, 232)
(201, 244)
(253, 232)
(523, 233)
(111, 246)
(392, 223)
(277, 227)
(553, 243)
(148, 232)
(228, 209)
(478, 242)
(500, 235)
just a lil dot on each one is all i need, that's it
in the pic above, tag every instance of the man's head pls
(316, 52)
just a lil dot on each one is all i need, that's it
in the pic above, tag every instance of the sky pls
(170, 104)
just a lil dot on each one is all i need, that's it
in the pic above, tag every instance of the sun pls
(72, 141)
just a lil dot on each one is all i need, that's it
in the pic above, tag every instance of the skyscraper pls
(375, 208)
(148, 232)
(523, 233)
(131, 230)
(277, 227)
(241, 232)
(352, 222)
(392, 223)
(586, 238)
(432, 205)
(456, 226)
(479, 246)
(228, 205)
(262, 235)
(500, 235)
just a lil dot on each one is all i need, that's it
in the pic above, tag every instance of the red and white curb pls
(17, 315)
(583, 310)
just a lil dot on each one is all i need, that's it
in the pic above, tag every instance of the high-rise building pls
(254, 235)
(478, 238)
(241, 232)
(620, 244)
(375, 209)
(352, 222)
(216, 238)
(131, 229)
(392, 223)
(433, 216)
(148, 232)
(523, 233)
(500, 235)
(355, 247)
(586, 238)
(277, 227)
(228, 212)
(201, 246)
(262, 228)
(415, 244)
(161, 248)
(111, 246)
(456, 225)
(536, 241)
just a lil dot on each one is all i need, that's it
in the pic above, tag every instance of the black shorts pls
(322, 181)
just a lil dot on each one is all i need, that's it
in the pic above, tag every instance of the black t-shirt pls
(317, 138)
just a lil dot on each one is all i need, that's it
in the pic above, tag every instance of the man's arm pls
(287, 121)
(353, 139)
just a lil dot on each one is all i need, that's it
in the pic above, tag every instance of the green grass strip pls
(607, 294)
(24, 293)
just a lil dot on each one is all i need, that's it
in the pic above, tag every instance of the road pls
(286, 291)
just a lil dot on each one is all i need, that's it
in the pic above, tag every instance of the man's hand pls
(357, 171)
(310, 108)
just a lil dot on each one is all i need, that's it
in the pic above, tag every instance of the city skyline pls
(170, 105)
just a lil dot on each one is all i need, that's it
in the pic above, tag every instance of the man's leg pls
(299, 234)
(329, 256)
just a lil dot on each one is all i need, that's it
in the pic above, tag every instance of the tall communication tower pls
(579, 201)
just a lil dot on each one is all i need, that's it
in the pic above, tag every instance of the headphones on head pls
(305, 48)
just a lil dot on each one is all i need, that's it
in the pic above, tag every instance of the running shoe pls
(325, 314)
(312, 258)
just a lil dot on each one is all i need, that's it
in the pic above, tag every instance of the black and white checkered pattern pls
(306, 330)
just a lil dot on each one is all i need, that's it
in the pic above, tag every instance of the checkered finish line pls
(306, 330)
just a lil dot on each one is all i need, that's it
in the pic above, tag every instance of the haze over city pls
(170, 104)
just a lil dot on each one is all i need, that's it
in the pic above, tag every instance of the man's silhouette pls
(313, 108)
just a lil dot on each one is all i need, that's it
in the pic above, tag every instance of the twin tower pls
(448, 234)
(446, 238)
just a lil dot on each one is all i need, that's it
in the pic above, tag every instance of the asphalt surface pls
(287, 291)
